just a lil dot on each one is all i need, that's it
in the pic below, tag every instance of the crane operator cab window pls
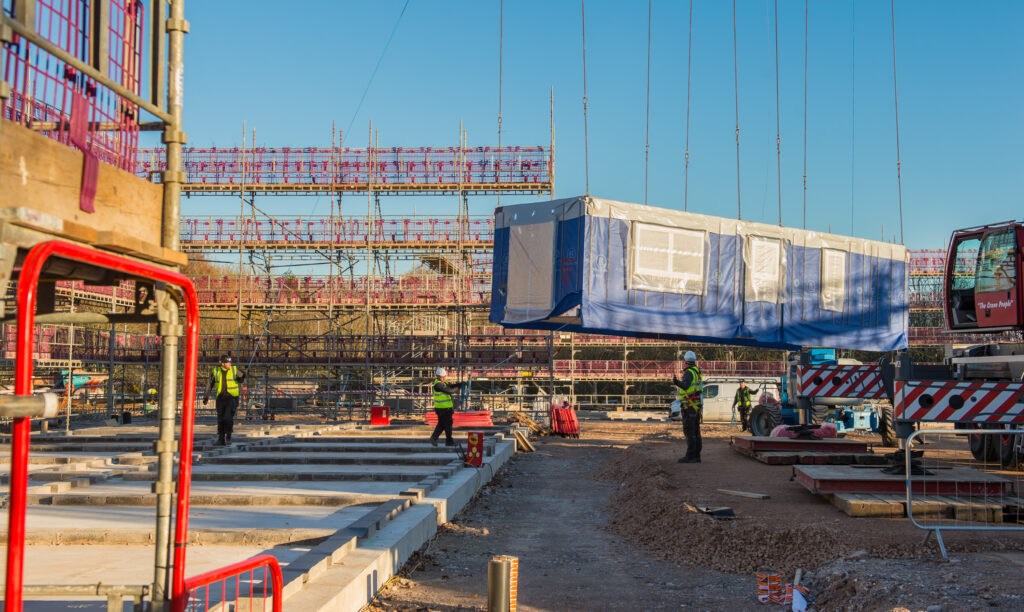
(995, 279)
(960, 280)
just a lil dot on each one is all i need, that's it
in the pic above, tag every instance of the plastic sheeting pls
(591, 265)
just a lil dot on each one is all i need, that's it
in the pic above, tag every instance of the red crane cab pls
(981, 281)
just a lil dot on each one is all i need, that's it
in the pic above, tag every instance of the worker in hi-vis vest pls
(742, 401)
(225, 380)
(691, 403)
(444, 407)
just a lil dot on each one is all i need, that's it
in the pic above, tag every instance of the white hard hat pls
(441, 372)
(690, 357)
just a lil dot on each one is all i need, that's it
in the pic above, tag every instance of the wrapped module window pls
(833, 280)
(667, 259)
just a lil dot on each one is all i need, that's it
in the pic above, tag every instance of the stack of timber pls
(791, 451)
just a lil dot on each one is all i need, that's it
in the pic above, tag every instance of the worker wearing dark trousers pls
(224, 380)
(691, 403)
(742, 402)
(444, 407)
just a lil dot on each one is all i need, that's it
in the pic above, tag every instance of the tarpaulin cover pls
(589, 265)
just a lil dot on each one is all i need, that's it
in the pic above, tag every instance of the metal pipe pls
(174, 136)
(44, 405)
(165, 452)
(62, 55)
(499, 580)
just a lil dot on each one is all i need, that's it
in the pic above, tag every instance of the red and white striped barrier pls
(861, 381)
(959, 401)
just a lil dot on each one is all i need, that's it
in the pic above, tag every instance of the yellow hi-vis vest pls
(743, 395)
(442, 401)
(689, 398)
(228, 380)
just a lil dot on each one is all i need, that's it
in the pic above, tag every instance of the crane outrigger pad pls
(585, 264)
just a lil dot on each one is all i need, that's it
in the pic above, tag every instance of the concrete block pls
(415, 494)
(337, 546)
(293, 580)
(312, 564)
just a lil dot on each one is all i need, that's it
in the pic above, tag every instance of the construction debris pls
(743, 493)
(522, 443)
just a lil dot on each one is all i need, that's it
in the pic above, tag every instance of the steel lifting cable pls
(896, 108)
(647, 126)
(806, 12)
(736, 93)
(501, 42)
(586, 144)
(686, 157)
(778, 111)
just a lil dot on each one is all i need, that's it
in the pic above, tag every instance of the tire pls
(984, 448)
(1008, 451)
(887, 426)
(819, 414)
(763, 419)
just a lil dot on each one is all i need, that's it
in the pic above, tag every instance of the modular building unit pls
(585, 264)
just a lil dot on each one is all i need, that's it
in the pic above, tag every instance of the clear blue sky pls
(290, 69)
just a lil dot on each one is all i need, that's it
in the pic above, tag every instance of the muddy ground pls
(600, 523)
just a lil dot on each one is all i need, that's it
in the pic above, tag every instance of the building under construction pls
(384, 299)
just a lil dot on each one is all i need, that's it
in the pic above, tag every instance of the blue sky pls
(289, 70)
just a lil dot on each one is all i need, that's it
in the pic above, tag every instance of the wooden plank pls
(41, 174)
(849, 479)
(768, 443)
(967, 509)
(925, 505)
(866, 505)
(743, 493)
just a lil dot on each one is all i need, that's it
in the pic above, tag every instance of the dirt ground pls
(600, 523)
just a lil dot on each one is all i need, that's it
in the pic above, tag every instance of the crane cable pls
(689, 64)
(778, 111)
(647, 127)
(586, 144)
(806, 12)
(736, 91)
(501, 42)
(896, 108)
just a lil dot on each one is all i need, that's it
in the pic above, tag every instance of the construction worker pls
(742, 401)
(444, 407)
(691, 400)
(225, 380)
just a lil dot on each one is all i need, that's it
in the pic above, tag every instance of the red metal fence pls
(306, 232)
(241, 587)
(933, 261)
(64, 104)
(323, 290)
(335, 166)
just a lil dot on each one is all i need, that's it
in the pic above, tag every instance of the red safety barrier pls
(28, 287)
(564, 422)
(465, 418)
(475, 448)
(380, 415)
(201, 592)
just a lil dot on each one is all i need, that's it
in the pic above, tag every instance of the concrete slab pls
(127, 564)
(325, 458)
(224, 517)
